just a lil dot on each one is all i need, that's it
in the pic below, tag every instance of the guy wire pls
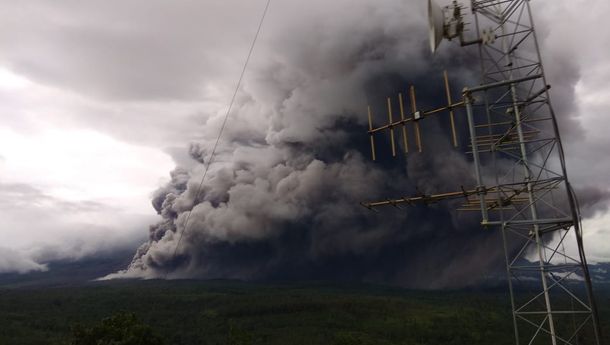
(222, 127)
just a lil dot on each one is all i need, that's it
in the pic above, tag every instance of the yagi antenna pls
(414, 116)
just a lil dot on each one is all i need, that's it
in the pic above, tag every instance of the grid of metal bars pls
(516, 131)
(522, 186)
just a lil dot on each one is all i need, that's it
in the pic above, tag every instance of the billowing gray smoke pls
(281, 198)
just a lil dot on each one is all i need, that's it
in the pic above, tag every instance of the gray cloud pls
(14, 261)
(38, 228)
(281, 199)
(131, 72)
(140, 50)
(576, 67)
(26, 196)
(278, 200)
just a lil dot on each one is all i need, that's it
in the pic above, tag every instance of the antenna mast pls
(522, 187)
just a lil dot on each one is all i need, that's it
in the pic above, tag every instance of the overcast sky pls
(100, 100)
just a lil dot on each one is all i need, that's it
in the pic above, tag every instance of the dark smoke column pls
(281, 199)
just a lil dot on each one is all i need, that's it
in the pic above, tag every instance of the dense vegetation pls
(237, 313)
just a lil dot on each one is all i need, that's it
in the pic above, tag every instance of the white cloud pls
(573, 30)
(597, 237)
(68, 190)
(14, 261)
(81, 165)
(11, 81)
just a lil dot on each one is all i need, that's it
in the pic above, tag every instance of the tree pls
(119, 329)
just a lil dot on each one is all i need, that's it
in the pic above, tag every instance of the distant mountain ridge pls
(84, 271)
(69, 272)
(600, 273)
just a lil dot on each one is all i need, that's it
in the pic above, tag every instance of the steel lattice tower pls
(518, 161)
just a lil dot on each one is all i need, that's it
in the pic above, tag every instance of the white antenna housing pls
(444, 22)
(436, 21)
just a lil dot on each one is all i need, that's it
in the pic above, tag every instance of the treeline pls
(181, 313)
